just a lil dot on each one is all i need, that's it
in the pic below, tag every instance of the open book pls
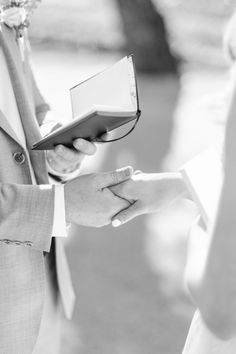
(100, 104)
(204, 176)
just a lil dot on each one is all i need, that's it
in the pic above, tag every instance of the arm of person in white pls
(203, 176)
(213, 288)
(198, 180)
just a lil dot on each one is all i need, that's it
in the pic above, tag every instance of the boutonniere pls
(17, 13)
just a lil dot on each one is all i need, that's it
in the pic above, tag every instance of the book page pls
(113, 87)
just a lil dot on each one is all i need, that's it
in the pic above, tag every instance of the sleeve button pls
(28, 243)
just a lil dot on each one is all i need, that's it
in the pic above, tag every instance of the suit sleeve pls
(26, 215)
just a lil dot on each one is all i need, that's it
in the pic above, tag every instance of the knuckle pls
(115, 177)
(84, 146)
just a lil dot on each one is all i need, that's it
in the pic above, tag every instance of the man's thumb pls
(126, 215)
(115, 177)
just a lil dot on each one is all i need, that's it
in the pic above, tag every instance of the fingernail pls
(116, 223)
(128, 171)
(79, 143)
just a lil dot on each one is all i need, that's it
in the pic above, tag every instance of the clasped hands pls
(98, 199)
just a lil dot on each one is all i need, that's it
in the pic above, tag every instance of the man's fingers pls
(84, 146)
(60, 164)
(68, 155)
(126, 215)
(108, 179)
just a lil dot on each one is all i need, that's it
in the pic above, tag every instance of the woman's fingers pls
(126, 215)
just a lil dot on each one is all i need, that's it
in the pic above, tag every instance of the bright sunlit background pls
(129, 281)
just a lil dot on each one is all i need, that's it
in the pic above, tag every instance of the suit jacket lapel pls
(7, 128)
(9, 36)
(25, 105)
(3, 120)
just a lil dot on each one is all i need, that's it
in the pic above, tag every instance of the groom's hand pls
(65, 160)
(88, 200)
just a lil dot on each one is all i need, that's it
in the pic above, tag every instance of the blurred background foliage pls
(194, 29)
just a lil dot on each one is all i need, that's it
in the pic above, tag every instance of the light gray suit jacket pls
(26, 215)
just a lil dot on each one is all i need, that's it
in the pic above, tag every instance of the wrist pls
(74, 203)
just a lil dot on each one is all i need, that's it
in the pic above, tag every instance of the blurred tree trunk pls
(146, 36)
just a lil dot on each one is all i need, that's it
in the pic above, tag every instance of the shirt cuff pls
(59, 228)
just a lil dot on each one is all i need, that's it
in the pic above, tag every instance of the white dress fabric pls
(201, 341)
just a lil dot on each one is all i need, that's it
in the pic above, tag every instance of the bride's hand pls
(148, 193)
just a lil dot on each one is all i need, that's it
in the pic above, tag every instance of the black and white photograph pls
(117, 177)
